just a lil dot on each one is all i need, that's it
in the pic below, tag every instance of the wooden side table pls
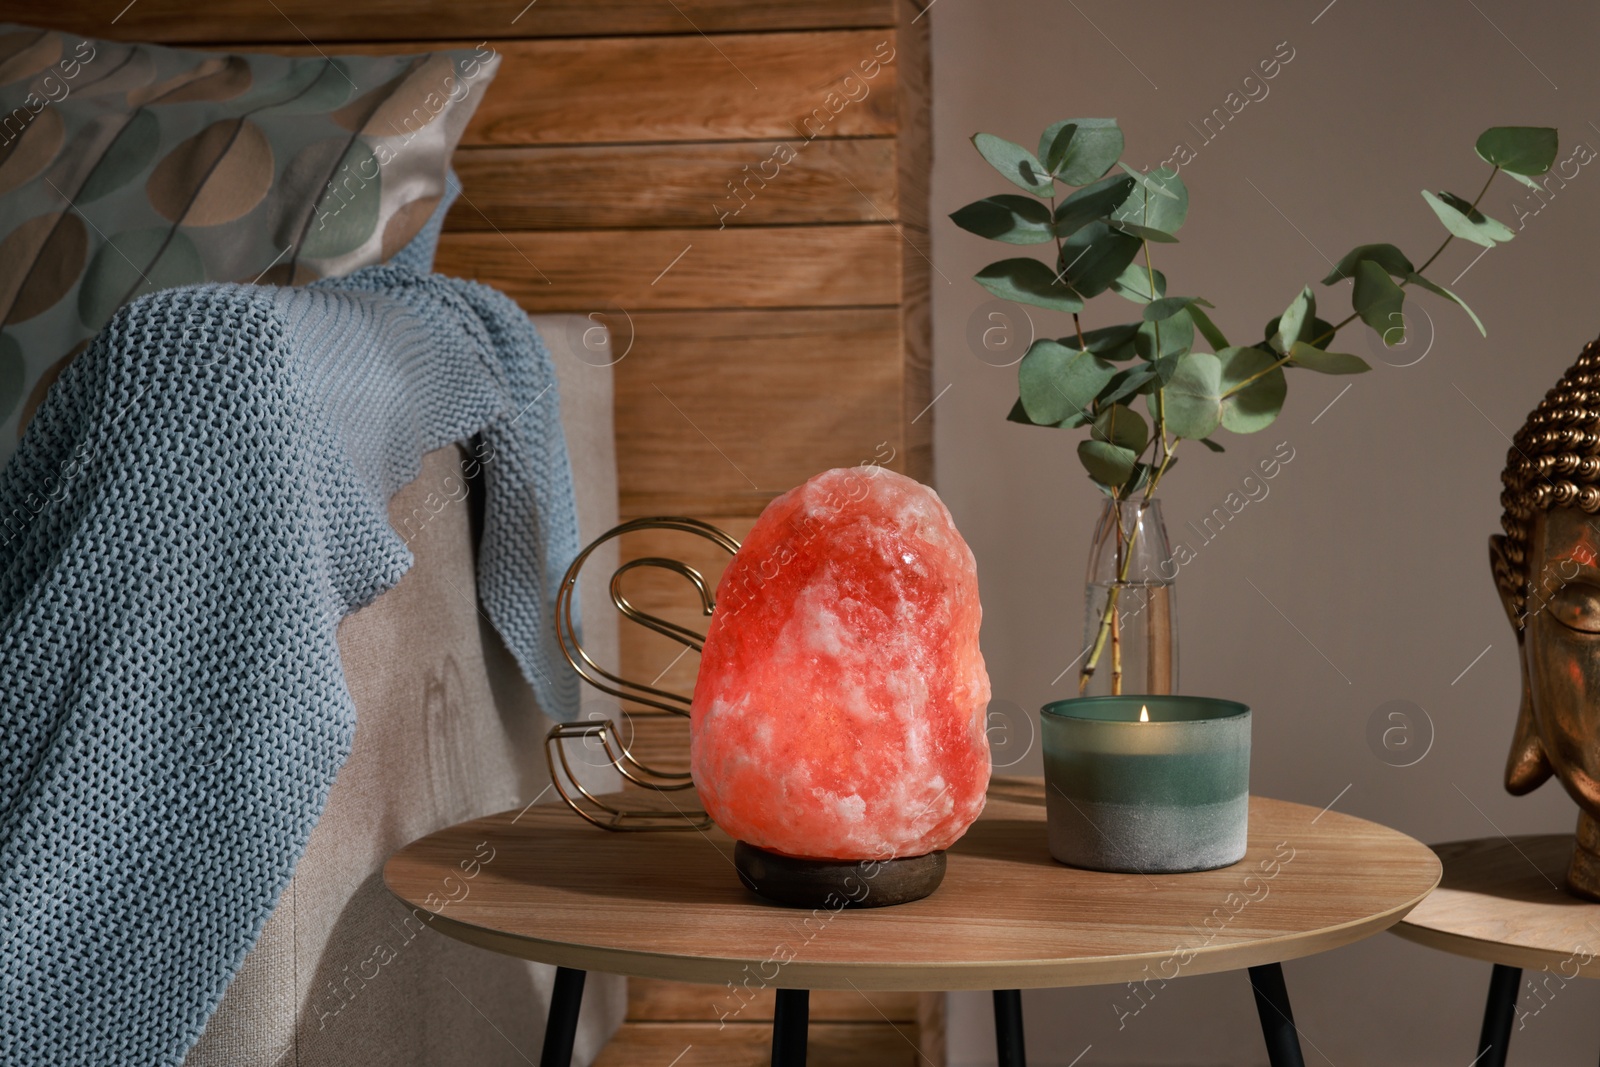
(1504, 900)
(542, 885)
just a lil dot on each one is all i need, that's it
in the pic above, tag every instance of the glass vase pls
(1130, 629)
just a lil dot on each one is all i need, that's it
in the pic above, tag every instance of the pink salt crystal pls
(839, 709)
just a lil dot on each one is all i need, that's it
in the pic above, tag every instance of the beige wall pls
(1372, 540)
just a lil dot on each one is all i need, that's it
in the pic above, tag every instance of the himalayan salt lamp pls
(839, 710)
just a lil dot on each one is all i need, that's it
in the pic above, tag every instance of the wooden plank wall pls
(737, 188)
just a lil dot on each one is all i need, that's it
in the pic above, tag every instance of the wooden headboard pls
(737, 188)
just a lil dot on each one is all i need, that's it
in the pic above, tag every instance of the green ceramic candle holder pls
(1159, 796)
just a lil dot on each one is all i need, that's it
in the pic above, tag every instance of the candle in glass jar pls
(1147, 783)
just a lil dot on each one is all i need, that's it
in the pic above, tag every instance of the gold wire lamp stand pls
(604, 810)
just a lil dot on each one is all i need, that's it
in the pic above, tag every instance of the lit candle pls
(1166, 788)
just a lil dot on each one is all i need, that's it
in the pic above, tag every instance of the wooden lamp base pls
(802, 883)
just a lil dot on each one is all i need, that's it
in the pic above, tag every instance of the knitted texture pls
(198, 503)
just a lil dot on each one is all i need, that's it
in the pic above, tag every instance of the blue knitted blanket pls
(198, 503)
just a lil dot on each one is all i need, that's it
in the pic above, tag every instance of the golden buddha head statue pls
(1547, 568)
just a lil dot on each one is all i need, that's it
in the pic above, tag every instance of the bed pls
(446, 728)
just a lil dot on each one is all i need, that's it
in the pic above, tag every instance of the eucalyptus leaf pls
(1016, 163)
(1079, 151)
(1134, 283)
(1027, 281)
(1138, 478)
(1253, 389)
(1378, 300)
(1169, 306)
(1091, 203)
(1318, 334)
(1144, 233)
(1207, 328)
(1150, 182)
(1020, 414)
(1121, 425)
(1467, 222)
(1017, 220)
(1166, 366)
(1316, 331)
(1160, 201)
(1240, 389)
(1111, 342)
(1386, 256)
(1303, 355)
(1193, 397)
(1053, 142)
(1093, 257)
(1108, 464)
(1519, 149)
(1176, 334)
(1301, 310)
(1417, 279)
(1055, 381)
(1130, 381)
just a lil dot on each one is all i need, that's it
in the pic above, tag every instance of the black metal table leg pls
(1277, 1017)
(1008, 1028)
(789, 1022)
(1494, 1040)
(561, 1025)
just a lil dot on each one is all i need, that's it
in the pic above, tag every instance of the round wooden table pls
(1504, 900)
(543, 885)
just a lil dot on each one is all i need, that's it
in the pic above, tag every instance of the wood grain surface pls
(297, 21)
(1504, 900)
(728, 410)
(670, 906)
(794, 87)
(640, 270)
(694, 1026)
(791, 86)
(705, 1045)
(656, 1001)
(918, 275)
(687, 185)
(658, 740)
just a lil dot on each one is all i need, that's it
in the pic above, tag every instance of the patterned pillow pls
(127, 168)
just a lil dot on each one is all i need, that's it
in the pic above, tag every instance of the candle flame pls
(1144, 713)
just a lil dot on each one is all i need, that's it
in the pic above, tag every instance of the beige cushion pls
(445, 730)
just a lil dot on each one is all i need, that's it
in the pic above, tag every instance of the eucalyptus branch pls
(1159, 447)
(1107, 619)
(1096, 219)
(1328, 334)
(1161, 400)
(1155, 479)
(1348, 319)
